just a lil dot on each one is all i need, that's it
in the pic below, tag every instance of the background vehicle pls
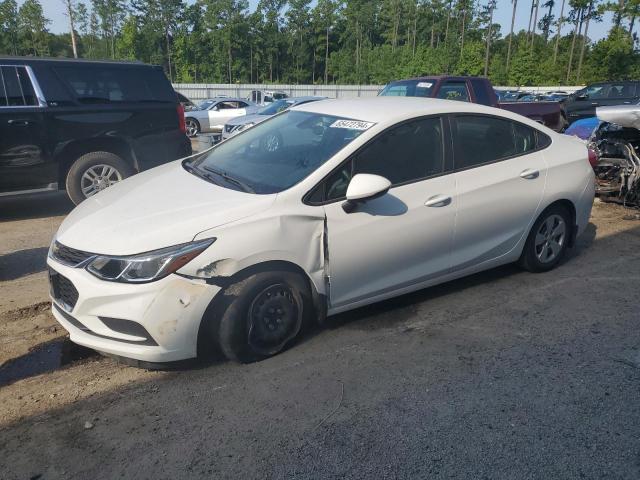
(583, 103)
(246, 243)
(185, 102)
(212, 114)
(476, 90)
(84, 125)
(263, 97)
(236, 125)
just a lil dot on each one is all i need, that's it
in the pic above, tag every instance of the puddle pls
(43, 358)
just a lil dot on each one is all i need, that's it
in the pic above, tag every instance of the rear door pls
(500, 174)
(25, 160)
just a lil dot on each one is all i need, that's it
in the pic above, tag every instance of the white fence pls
(201, 91)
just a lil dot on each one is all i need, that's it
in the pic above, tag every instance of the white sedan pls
(239, 247)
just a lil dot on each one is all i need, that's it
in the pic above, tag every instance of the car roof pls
(226, 99)
(381, 109)
(10, 60)
(303, 99)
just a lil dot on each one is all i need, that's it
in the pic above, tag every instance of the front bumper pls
(165, 314)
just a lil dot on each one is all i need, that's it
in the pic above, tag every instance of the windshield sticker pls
(352, 124)
(425, 85)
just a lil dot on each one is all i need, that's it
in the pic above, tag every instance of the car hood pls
(243, 120)
(158, 208)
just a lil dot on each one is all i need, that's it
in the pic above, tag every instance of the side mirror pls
(363, 187)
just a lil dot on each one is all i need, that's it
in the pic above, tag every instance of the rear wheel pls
(547, 241)
(264, 313)
(93, 172)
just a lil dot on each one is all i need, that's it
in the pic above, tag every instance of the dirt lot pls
(503, 375)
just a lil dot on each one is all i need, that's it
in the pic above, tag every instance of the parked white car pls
(211, 115)
(363, 200)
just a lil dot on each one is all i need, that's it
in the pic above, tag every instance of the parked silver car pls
(236, 125)
(212, 114)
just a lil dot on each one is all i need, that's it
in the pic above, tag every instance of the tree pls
(513, 20)
(70, 9)
(9, 27)
(32, 28)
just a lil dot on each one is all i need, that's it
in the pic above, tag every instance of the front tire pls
(93, 172)
(548, 240)
(193, 127)
(264, 313)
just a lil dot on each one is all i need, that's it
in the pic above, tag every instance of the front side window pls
(277, 153)
(16, 89)
(454, 91)
(480, 139)
(405, 153)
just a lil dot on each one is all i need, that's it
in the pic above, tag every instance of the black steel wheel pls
(260, 315)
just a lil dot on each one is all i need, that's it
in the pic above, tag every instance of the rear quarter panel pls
(570, 176)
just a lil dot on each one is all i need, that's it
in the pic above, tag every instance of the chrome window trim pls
(42, 102)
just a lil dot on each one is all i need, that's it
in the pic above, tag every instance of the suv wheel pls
(93, 172)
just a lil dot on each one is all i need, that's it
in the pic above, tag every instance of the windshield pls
(206, 104)
(409, 88)
(275, 107)
(278, 153)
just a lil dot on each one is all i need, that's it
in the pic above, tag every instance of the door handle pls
(19, 122)
(438, 201)
(529, 174)
(595, 104)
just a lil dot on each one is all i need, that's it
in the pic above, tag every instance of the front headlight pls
(149, 266)
(244, 127)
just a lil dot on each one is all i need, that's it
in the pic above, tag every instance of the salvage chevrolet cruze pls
(321, 209)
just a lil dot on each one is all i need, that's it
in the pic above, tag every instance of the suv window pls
(482, 92)
(454, 90)
(15, 88)
(408, 152)
(594, 91)
(107, 84)
(480, 139)
(622, 90)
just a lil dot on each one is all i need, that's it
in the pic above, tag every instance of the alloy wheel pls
(550, 239)
(97, 178)
(192, 128)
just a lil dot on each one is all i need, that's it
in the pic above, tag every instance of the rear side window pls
(16, 89)
(452, 90)
(622, 90)
(97, 84)
(482, 139)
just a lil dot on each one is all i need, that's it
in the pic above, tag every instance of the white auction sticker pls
(425, 84)
(352, 124)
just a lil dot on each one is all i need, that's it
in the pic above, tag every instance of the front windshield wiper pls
(231, 179)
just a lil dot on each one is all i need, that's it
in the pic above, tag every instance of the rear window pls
(97, 84)
(15, 88)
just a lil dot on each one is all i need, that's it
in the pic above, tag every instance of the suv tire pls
(93, 172)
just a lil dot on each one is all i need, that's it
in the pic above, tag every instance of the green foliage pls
(335, 41)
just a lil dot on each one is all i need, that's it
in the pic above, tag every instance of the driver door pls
(224, 111)
(402, 239)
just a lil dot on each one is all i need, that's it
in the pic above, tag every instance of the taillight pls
(181, 124)
(593, 157)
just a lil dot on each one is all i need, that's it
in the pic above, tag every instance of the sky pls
(54, 9)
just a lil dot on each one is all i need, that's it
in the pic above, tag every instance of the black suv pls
(583, 103)
(84, 125)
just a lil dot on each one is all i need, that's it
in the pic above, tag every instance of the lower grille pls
(62, 290)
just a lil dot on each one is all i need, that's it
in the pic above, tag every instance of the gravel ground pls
(503, 375)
